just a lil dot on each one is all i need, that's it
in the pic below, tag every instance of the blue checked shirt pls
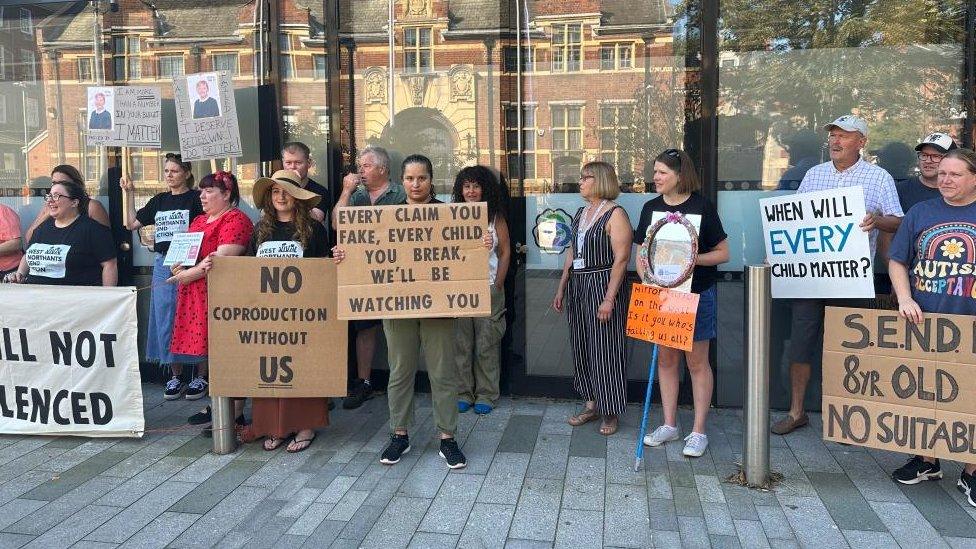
(880, 196)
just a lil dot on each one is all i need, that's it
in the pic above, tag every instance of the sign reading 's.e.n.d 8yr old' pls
(894, 385)
(413, 261)
(273, 330)
(69, 364)
(815, 246)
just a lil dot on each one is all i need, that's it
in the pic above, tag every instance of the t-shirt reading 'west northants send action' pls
(937, 242)
(69, 256)
(171, 214)
(282, 242)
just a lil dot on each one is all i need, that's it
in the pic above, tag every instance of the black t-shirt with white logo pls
(171, 214)
(69, 256)
(282, 242)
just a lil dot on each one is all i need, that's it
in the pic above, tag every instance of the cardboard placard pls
(273, 331)
(815, 247)
(413, 261)
(124, 116)
(69, 361)
(894, 385)
(206, 116)
(662, 316)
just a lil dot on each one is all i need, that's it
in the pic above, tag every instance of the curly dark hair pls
(302, 221)
(490, 188)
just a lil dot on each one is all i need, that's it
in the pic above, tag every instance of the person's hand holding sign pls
(15, 277)
(126, 184)
(910, 310)
(338, 254)
(868, 223)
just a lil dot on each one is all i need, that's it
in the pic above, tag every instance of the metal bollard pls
(755, 444)
(224, 438)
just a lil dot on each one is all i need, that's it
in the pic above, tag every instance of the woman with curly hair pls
(287, 229)
(479, 339)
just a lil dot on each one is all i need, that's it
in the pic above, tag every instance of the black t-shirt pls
(171, 214)
(69, 256)
(282, 242)
(710, 233)
(325, 205)
(911, 191)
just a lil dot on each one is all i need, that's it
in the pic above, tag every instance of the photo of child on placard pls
(204, 94)
(101, 105)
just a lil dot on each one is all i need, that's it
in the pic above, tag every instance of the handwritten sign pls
(206, 116)
(184, 248)
(274, 323)
(417, 261)
(662, 316)
(124, 116)
(894, 385)
(815, 247)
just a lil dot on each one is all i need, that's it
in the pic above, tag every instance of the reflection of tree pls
(814, 59)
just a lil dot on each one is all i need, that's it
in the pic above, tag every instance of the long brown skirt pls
(280, 417)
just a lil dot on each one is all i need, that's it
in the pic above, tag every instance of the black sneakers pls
(452, 454)
(361, 392)
(918, 470)
(967, 485)
(200, 418)
(175, 389)
(399, 445)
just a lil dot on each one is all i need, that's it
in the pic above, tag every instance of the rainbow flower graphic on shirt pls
(946, 260)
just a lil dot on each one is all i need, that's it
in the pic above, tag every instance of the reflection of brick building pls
(22, 109)
(452, 91)
(455, 83)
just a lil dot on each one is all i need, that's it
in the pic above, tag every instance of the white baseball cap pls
(941, 141)
(849, 123)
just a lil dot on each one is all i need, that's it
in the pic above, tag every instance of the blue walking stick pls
(639, 452)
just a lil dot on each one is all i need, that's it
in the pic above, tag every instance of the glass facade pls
(532, 88)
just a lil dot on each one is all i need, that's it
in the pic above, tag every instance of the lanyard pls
(585, 225)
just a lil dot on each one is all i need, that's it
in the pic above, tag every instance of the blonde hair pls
(605, 183)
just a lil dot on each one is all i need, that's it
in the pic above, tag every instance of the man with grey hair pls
(846, 138)
(369, 186)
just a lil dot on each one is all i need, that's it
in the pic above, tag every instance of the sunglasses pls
(674, 154)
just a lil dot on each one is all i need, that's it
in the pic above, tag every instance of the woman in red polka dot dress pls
(226, 231)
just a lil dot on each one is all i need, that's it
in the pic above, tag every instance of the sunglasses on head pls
(673, 153)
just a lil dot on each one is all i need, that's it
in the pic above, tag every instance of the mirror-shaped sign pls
(669, 252)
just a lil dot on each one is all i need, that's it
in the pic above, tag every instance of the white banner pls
(815, 247)
(68, 361)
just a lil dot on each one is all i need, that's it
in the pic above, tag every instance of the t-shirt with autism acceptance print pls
(937, 242)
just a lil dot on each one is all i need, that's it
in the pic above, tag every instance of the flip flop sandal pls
(300, 441)
(583, 418)
(272, 443)
(609, 427)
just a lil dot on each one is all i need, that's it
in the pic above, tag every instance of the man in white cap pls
(925, 185)
(846, 138)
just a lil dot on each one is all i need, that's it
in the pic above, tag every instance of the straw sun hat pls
(287, 180)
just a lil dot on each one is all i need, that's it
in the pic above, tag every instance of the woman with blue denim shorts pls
(677, 182)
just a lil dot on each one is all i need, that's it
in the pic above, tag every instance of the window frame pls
(129, 58)
(525, 166)
(320, 75)
(30, 21)
(225, 54)
(510, 63)
(618, 133)
(3, 109)
(90, 61)
(617, 50)
(30, 65)
(286, 61)
(566, 128)
(168, 57)
(561, 50)
(417, 49)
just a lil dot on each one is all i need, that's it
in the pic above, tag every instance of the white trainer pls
(662, 434)
(695, 444)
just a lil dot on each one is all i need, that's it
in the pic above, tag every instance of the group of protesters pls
(462, 355)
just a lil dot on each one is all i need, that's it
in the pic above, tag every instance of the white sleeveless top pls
(493, 254)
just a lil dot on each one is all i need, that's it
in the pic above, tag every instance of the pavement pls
(531, 481)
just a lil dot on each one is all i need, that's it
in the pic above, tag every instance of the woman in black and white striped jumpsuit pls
(594, 270)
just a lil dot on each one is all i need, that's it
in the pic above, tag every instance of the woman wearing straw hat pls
(287, 229)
